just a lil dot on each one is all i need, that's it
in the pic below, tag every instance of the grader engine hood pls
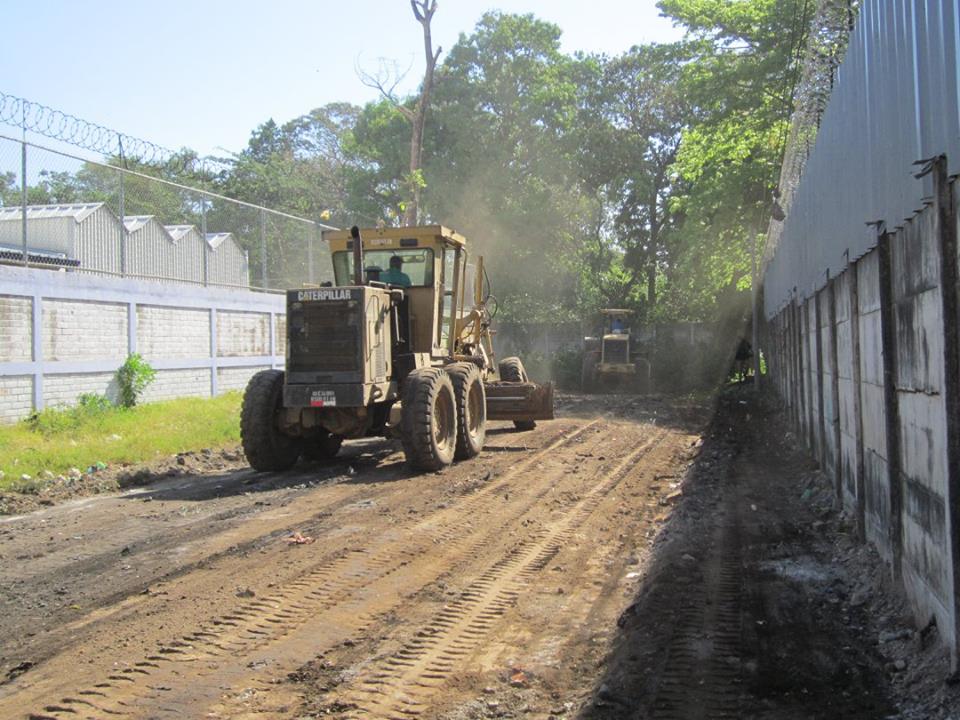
(338, 346)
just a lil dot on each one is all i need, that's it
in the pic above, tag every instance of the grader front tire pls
(266, 448)
(512, 370)
(428, 419)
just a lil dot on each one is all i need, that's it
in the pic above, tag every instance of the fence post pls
(311, 277)
(206, 245)
(123, 227)
(263, 249)
(861, 507)
(23, 196)
(949, 285)
(890, 400)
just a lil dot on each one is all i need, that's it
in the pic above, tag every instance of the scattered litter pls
(245, 592)
(298, 539)
(890, 636)
(518, 678)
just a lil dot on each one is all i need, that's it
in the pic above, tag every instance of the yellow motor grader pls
(399, 345)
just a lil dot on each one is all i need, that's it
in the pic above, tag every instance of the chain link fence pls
(64, 212)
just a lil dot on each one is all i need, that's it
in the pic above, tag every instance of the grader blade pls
(519, 401)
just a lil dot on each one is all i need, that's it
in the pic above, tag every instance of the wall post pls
(214, 351)
(36, 309)
(834, 386)
(797, 363)
(821, 412)
(861, 508)
(890, 400)
(949, 286)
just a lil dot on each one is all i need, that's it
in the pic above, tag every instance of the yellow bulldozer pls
(398, 345)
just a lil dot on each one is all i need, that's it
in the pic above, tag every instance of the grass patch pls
(56, 440)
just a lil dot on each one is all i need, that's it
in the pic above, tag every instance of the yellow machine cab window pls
(380, 266)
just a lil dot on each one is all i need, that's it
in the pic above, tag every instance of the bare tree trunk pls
(423, 11)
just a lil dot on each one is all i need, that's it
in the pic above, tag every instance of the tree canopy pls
(641, 180)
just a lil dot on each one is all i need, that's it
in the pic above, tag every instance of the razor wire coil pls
(64, 127)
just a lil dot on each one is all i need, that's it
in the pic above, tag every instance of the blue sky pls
(204, 73)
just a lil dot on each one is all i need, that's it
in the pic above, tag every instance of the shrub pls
(133, 377)
(51, 421)
(567, 362)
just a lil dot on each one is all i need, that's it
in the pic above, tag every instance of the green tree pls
(498, 167)
(743, 62)
(632, 128)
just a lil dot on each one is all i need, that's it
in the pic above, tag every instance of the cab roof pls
(388, 236)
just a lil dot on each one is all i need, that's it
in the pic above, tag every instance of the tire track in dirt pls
(401, 685)
(255, 624)
(702, 674)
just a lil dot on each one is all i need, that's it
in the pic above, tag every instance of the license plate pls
(323, 398)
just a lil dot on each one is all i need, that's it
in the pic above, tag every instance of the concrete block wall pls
(16, 397)
(16, 329)
(172, 332)
(65, 334)
(83, 330)
(242, 334)
(829, 426)
(876, 469)
(921, 410)
(878, 357)
(170, 384)
(236, 378)
(848, 416)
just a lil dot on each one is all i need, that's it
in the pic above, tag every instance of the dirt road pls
(447, 593)
(635, 558)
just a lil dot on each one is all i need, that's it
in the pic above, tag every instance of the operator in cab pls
(395, 275)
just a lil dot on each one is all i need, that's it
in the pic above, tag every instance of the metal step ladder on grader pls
(392, 348)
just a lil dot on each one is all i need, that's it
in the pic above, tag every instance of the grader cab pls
(400, 346)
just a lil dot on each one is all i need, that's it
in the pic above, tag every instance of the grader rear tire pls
(266, 448)
(428, 421)
(512, 370)
(471, 409)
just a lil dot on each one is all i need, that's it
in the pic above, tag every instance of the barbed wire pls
(828, 35)
(64, 127)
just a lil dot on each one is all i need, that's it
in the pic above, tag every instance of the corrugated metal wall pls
(99, 239)
(896, 101)
(147, 247)
(227, 264)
